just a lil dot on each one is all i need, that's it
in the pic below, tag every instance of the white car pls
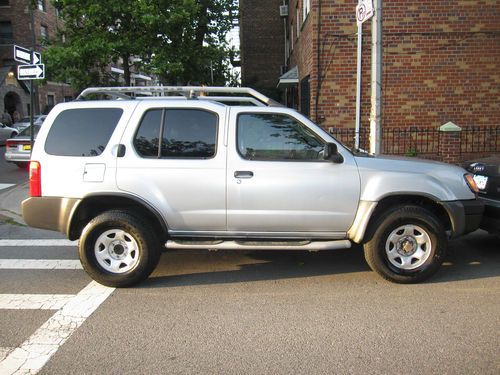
(7, 132)
(25, 122)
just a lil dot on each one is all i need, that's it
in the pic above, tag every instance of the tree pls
(181, 41)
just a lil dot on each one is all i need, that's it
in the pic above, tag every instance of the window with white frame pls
(41, 5)
(306, 7)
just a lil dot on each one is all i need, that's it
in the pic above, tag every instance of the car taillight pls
(11, 144)
(35, 179)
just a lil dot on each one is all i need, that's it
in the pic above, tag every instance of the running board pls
(258, 245)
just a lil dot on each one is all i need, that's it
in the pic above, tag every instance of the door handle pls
(243, 174)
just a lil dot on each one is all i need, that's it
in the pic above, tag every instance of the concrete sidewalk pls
(10, 202)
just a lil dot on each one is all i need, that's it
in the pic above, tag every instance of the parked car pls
(25, 122)
(487, 176)
(6, 132)
(18, 149)
(129, 176)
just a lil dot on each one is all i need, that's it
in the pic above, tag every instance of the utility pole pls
(376, 82)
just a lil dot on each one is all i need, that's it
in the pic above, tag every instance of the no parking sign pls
(364, 11)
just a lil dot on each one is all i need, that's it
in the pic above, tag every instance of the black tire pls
(139, 243)
(13, 134)
(395, 235)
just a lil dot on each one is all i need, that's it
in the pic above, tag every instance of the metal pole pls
(358, 87)
(32, 99)
(376, 83)
(32, 85)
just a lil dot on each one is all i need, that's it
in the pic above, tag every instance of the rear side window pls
(82, 132)
(184, 133)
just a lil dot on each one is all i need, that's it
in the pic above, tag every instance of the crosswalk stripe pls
(4, 352)
(34, 301)
(33, 354)
(40, 264)
(28, 243)
(5, 186)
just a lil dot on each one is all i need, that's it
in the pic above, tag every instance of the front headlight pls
(471, 183)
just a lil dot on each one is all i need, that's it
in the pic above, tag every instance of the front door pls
(280, 184)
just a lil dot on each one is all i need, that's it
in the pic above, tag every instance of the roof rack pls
(189, 92)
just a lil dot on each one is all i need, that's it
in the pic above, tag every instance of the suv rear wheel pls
(407, 245)
(117, 249)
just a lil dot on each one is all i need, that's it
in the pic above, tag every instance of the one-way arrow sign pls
(25, 72)
(24, 56)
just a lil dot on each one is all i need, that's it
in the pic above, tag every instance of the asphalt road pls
(278, 312)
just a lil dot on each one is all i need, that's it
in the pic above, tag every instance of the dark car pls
(486, 173)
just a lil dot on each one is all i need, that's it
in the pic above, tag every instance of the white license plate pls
(481, 181)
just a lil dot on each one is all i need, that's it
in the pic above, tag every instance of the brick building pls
(262, 44)
(440, 65)
(16, 28)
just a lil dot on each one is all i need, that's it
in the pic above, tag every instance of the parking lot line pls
(34, 301)
(40, 264)
(58, 242)
(34, 353)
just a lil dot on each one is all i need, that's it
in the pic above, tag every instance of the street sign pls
(364, 11)
(24, 55)
(36, 71)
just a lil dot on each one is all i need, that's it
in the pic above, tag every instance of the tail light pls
(35, 179)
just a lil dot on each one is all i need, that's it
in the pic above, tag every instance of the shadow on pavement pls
(475, 256)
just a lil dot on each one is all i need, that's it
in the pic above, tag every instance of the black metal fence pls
(424, 141)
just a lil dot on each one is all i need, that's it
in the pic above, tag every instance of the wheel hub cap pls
(408, 247)
(116, 251)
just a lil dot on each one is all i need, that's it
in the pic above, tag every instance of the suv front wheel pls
(116, 249)
(406, 245)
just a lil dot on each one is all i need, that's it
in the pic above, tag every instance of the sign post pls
(364, 10)
(33, 69)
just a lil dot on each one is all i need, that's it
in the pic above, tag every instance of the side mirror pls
(332, 153)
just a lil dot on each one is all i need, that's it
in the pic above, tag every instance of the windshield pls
(27, 131)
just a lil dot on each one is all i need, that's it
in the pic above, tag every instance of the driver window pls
(277, 137)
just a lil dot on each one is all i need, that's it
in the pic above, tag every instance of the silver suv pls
(195, 170)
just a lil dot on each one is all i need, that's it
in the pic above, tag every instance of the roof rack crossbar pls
(186, 91)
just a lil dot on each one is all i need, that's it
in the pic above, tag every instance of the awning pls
(290, 78)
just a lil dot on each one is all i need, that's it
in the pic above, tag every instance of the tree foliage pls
(180, 41)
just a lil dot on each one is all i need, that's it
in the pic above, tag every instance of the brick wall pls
(262, 44)
(17, 12)
(441, 63)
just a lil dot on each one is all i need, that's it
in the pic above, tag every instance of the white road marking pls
(40, 264)
(33, 354)
(34, 301)
(38, 243)
(4, 352)
(5, 186)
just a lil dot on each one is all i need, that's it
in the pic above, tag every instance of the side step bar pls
(258, 245)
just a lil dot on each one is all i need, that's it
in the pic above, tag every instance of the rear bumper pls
(491, 217)
(51, 213)
(15, 157)
(465, 215)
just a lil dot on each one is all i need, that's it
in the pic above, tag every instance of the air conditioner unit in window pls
(284, 10)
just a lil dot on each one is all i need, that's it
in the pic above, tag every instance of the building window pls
(297, 18)
(4, 3)
(44, 32)
(305, 96)
(6, 36)
(41, 5)
(306, 7)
